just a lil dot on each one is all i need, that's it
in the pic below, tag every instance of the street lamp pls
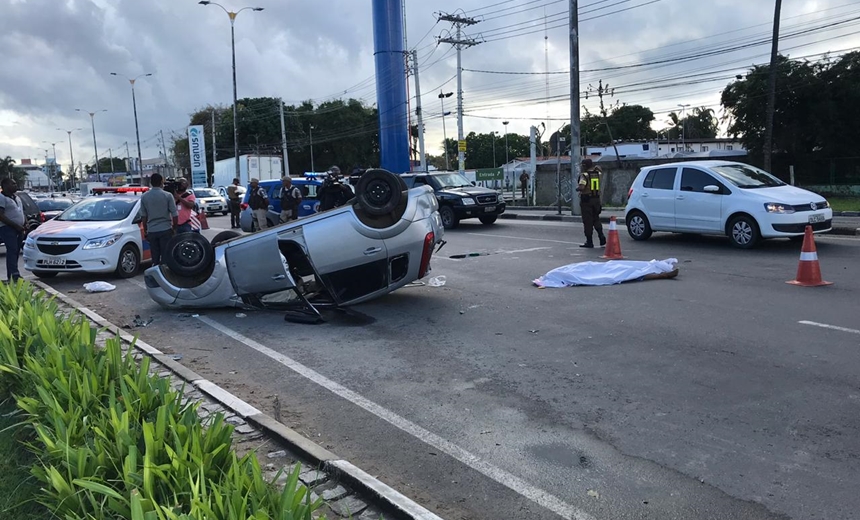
(95, 146)
(71, 153)
(444, 132)
(136, 128)
(683, 126)
(51, 169)
(233, 16)
(507, 161)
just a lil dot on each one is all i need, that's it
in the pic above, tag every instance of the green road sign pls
(489, 174)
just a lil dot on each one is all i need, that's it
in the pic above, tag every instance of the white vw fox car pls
(722, 198)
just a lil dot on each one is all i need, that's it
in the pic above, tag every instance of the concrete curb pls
(837, 230)
(365, 484)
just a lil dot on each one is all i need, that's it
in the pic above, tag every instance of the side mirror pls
(712, 189)
(137, 220)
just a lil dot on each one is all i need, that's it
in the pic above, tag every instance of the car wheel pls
(223, 237)
(489, 219)
(45, 274)
(128, 263)
(379, 192)
(743, 232)
(449, 220)
(638, 226)
(189, 254)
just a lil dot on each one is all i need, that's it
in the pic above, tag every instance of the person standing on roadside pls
(589, 198)
(185, 202)
(12, 228)
(258, 200)
(524, 183)
(291, 197)
(159, 212)
(235, 198)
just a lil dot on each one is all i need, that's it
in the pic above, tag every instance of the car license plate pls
(53, 260)
(488, 209)
(816, 218)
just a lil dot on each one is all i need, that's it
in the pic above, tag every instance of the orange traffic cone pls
(613, 244)
(808, 270)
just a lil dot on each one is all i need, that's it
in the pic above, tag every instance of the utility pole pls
(459, 43)
(442, 97)
(110, 155)
(128, 163)
(771, 89)
(422, 158)
(214, 151)
(573, 24)
(284, 139)
(311, 133)
(533, 160)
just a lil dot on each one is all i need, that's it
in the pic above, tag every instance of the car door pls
(351, 259)
(255, 265)
(658, 197)
(695, 209)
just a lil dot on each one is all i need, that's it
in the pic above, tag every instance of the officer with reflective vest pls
(589, 197)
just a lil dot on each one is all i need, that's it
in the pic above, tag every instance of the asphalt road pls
(699, 397)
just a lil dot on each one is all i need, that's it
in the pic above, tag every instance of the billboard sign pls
(197, 154)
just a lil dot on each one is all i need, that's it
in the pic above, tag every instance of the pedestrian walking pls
(259, 203)
(234, 197)
(185, 203)
(12, 228)
(291, 197)
(159, 217)
(589, 198)
(524, 183)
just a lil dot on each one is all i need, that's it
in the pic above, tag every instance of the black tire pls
(743, 232)
(379, 192)
(223, 237)
(45, 274)
(128, 263)
(488, 219)
(449, 219)
(189, 254)
(638, 226)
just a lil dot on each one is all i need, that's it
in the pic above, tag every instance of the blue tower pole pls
(391, 85)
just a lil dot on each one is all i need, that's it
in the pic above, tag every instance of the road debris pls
(176, 357)
(241, 315)
(437, 281)
(593, 494)
(94, 287)
(139, 322)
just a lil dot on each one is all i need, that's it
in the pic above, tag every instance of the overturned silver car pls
(381, 241)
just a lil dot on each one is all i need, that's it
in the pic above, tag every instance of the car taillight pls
(630, 193)
(42, 217)
(243, 206)
(429, 241)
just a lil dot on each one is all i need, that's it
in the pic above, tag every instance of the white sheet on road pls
(604, 273)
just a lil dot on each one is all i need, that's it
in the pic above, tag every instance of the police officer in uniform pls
(589, 197)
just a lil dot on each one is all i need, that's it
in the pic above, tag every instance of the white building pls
(662, 148)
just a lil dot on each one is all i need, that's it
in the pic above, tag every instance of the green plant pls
(111, 440)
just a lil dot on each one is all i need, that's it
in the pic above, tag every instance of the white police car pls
(100, 234)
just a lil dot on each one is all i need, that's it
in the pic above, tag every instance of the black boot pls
(588, 244)
(602, 239)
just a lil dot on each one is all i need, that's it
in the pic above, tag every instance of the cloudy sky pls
(58, 56)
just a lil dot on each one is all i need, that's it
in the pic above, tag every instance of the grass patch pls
(17, 486)
(844, 203)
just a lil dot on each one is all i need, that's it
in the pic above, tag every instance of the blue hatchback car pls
(310, 203)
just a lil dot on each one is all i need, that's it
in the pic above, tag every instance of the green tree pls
(8, 169)
(701, 124)
(111, 164)
(798, 109)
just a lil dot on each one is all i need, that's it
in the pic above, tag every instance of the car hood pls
(210, 199)
(82, 229)
(784, 194)
(469, 191)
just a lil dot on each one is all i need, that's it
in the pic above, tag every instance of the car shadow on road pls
(722, 244)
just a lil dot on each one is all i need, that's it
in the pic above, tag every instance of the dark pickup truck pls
(458, 198)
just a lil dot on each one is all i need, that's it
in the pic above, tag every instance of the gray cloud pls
(58, 56)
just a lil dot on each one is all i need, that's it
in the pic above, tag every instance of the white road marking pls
(530, 250)
(831, 327)
(501, 476)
